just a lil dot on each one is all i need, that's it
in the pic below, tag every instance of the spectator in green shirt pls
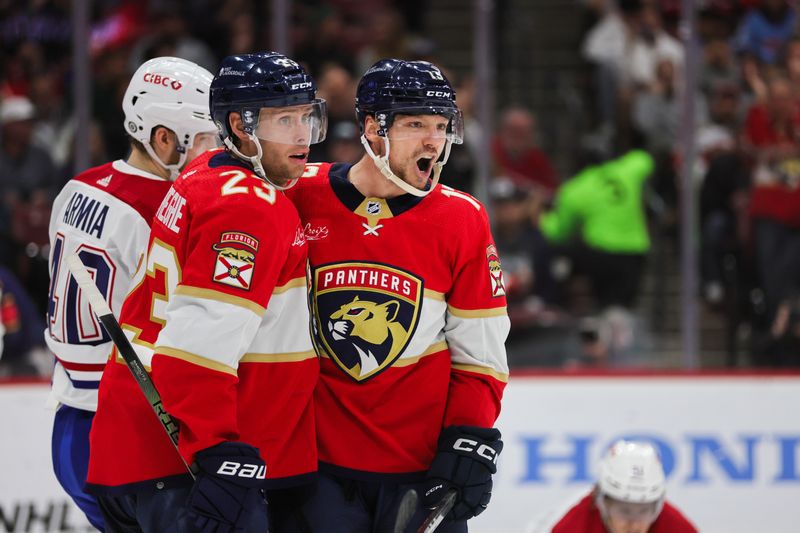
(604, 204)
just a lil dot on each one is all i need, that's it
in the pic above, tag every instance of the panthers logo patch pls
(364, 315)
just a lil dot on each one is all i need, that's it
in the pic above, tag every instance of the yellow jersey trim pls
(196, 359)
(477, 313)
(211, 294)
(278, 357)
(482, 370)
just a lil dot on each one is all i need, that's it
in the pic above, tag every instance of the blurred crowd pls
(575, 242)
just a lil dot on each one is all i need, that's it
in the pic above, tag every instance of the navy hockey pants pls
(161, 511)
(70, 445)
(348, 506)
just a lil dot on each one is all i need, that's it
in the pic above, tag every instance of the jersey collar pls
(352, 199)
(123, 166)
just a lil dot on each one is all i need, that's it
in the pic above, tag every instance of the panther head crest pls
(367, 323)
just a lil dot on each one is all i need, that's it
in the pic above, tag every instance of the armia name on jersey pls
(85, 213)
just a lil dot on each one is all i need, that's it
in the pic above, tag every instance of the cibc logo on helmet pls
(165, 81)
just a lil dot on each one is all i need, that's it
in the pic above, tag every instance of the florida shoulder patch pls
(236, 259)
(495, 272)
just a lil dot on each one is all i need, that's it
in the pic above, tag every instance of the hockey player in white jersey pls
(104, 215)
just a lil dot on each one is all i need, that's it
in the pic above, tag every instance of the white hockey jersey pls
(103, 215)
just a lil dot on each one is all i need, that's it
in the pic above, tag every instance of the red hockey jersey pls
(219, 312)
(585, 518)
(409, 320)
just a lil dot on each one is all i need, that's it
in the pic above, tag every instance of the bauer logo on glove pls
(232, 468)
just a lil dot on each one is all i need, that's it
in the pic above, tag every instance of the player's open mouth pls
(424, 165)
(300, 157)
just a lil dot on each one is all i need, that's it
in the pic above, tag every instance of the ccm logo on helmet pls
(438, 94)
(469, 445)
(232, 468)
(166, 81)
(304, 85)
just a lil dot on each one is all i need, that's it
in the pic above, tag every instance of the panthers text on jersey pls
(219, 316)
(104, 216)
(409, 320)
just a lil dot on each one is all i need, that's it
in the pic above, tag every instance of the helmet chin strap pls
(255, 161)
(173, 170)
(382, 163)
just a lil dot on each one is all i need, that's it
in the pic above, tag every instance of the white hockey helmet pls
(169, 92)
(632, 472)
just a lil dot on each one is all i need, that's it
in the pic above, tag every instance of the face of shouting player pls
(415, 144)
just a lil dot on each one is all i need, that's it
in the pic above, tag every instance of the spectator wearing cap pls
(28, 180)
(526, 253)
(24, 167)
(345, 143)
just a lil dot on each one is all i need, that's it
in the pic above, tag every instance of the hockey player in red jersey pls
(104, 216)
(219, 316)
(409, 315)
(629, 497)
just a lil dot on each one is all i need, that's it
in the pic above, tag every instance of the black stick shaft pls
(439, 512)
(140, 374)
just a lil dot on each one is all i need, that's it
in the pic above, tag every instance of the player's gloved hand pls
(228, 485)
(465, 460)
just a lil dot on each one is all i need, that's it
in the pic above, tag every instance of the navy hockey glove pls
(228, 485)
(465, 461)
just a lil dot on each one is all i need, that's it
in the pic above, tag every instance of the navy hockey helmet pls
(395, 86)
(248, 82)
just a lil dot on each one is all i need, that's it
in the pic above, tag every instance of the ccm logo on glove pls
(469, 445)
(232, 468)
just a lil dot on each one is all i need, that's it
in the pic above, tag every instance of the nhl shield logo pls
(364, 315)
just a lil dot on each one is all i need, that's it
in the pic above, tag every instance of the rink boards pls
(730, 445)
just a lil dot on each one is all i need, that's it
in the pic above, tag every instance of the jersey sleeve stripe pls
(482, 370)
(432, 349)
(433, 295)
(82, 367)
(278, 357)
(195, 359)
(84, 385)
(477, 313)
(210, 294)
(297, 282)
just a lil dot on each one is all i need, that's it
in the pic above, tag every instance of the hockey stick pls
(103, 312)
(439, 512)
(405, 511)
